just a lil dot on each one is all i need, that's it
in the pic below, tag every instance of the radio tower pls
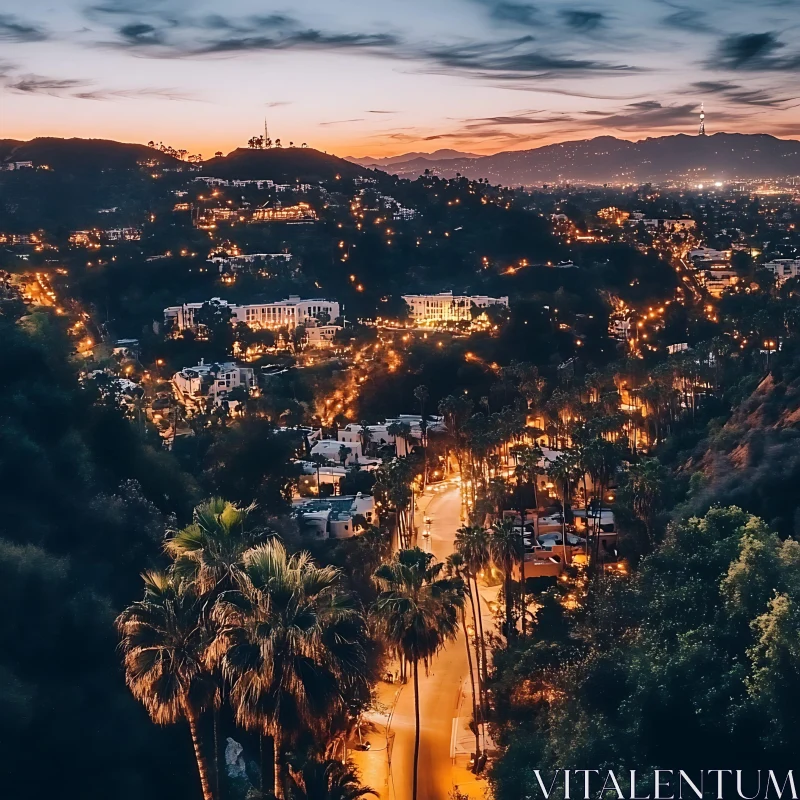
(266, 134)
(702, 120)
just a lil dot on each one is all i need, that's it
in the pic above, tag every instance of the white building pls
(380, 436)
(195, 385)
(332, 518)
(122, 234)
(784, 268)
(331, 449)
(321, 335)
(247, 258)
(709, 254)
(287, 313)
(428, 309)
(717, 280)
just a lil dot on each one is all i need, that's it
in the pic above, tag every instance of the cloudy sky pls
(380, 77)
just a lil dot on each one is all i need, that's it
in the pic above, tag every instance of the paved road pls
(439, 689)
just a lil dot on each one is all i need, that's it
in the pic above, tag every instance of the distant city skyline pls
(381, 78)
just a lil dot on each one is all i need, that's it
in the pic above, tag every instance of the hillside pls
(80, 155)
(753, 460)
(606, 159)
(282, 165)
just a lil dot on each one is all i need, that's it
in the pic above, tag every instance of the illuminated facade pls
(302, 212)
(429, 309)
(287, 313)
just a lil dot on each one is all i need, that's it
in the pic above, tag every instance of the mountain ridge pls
(607, 159)
(442, 154)
(598, 160)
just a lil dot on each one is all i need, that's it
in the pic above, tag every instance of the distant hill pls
(444, 154)
(606, 159)
(80, 155)
(282, 165)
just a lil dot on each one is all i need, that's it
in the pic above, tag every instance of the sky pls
(383, 77)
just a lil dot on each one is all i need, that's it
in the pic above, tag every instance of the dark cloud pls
(517, 119)
(490, 133)
(309, 39)
(141, 33)
(583, 20)
(511, 12)
(685, 18)
(132, 94)
(38, 84)
(162, 36)
(380, 111)
(218, 22)
(507, 60)
(643, 115)
(81, 89)
(741, 95)
(516, 13)
(514, 60)
(754, 52)
(12, 29)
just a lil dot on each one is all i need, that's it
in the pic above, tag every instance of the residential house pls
(196, 387)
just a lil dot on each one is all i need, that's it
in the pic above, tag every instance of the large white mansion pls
(447, 307)
(287, 313)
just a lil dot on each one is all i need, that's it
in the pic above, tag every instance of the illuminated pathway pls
(439, 690)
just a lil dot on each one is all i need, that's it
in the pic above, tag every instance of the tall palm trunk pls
(278, 762)
(564, 521)
(216, 755)
(509, 601)
(262, 764)
(480, 627)
(472, 683)
(202, 765)
(481, 695)
(416, 719)
(523, 604)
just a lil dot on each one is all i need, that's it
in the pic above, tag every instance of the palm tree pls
(393, 486)
(366, 436)
(319, 460)
(646, 487)
(561, 472)
(395, 429)
(529, 459)
(164, 642)
(327, 780)
(422, 395)
(209, 550)
(504, 547)
(292, 645)
(601, 459)
(457, 567)
(472, 544)
(416, 612)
